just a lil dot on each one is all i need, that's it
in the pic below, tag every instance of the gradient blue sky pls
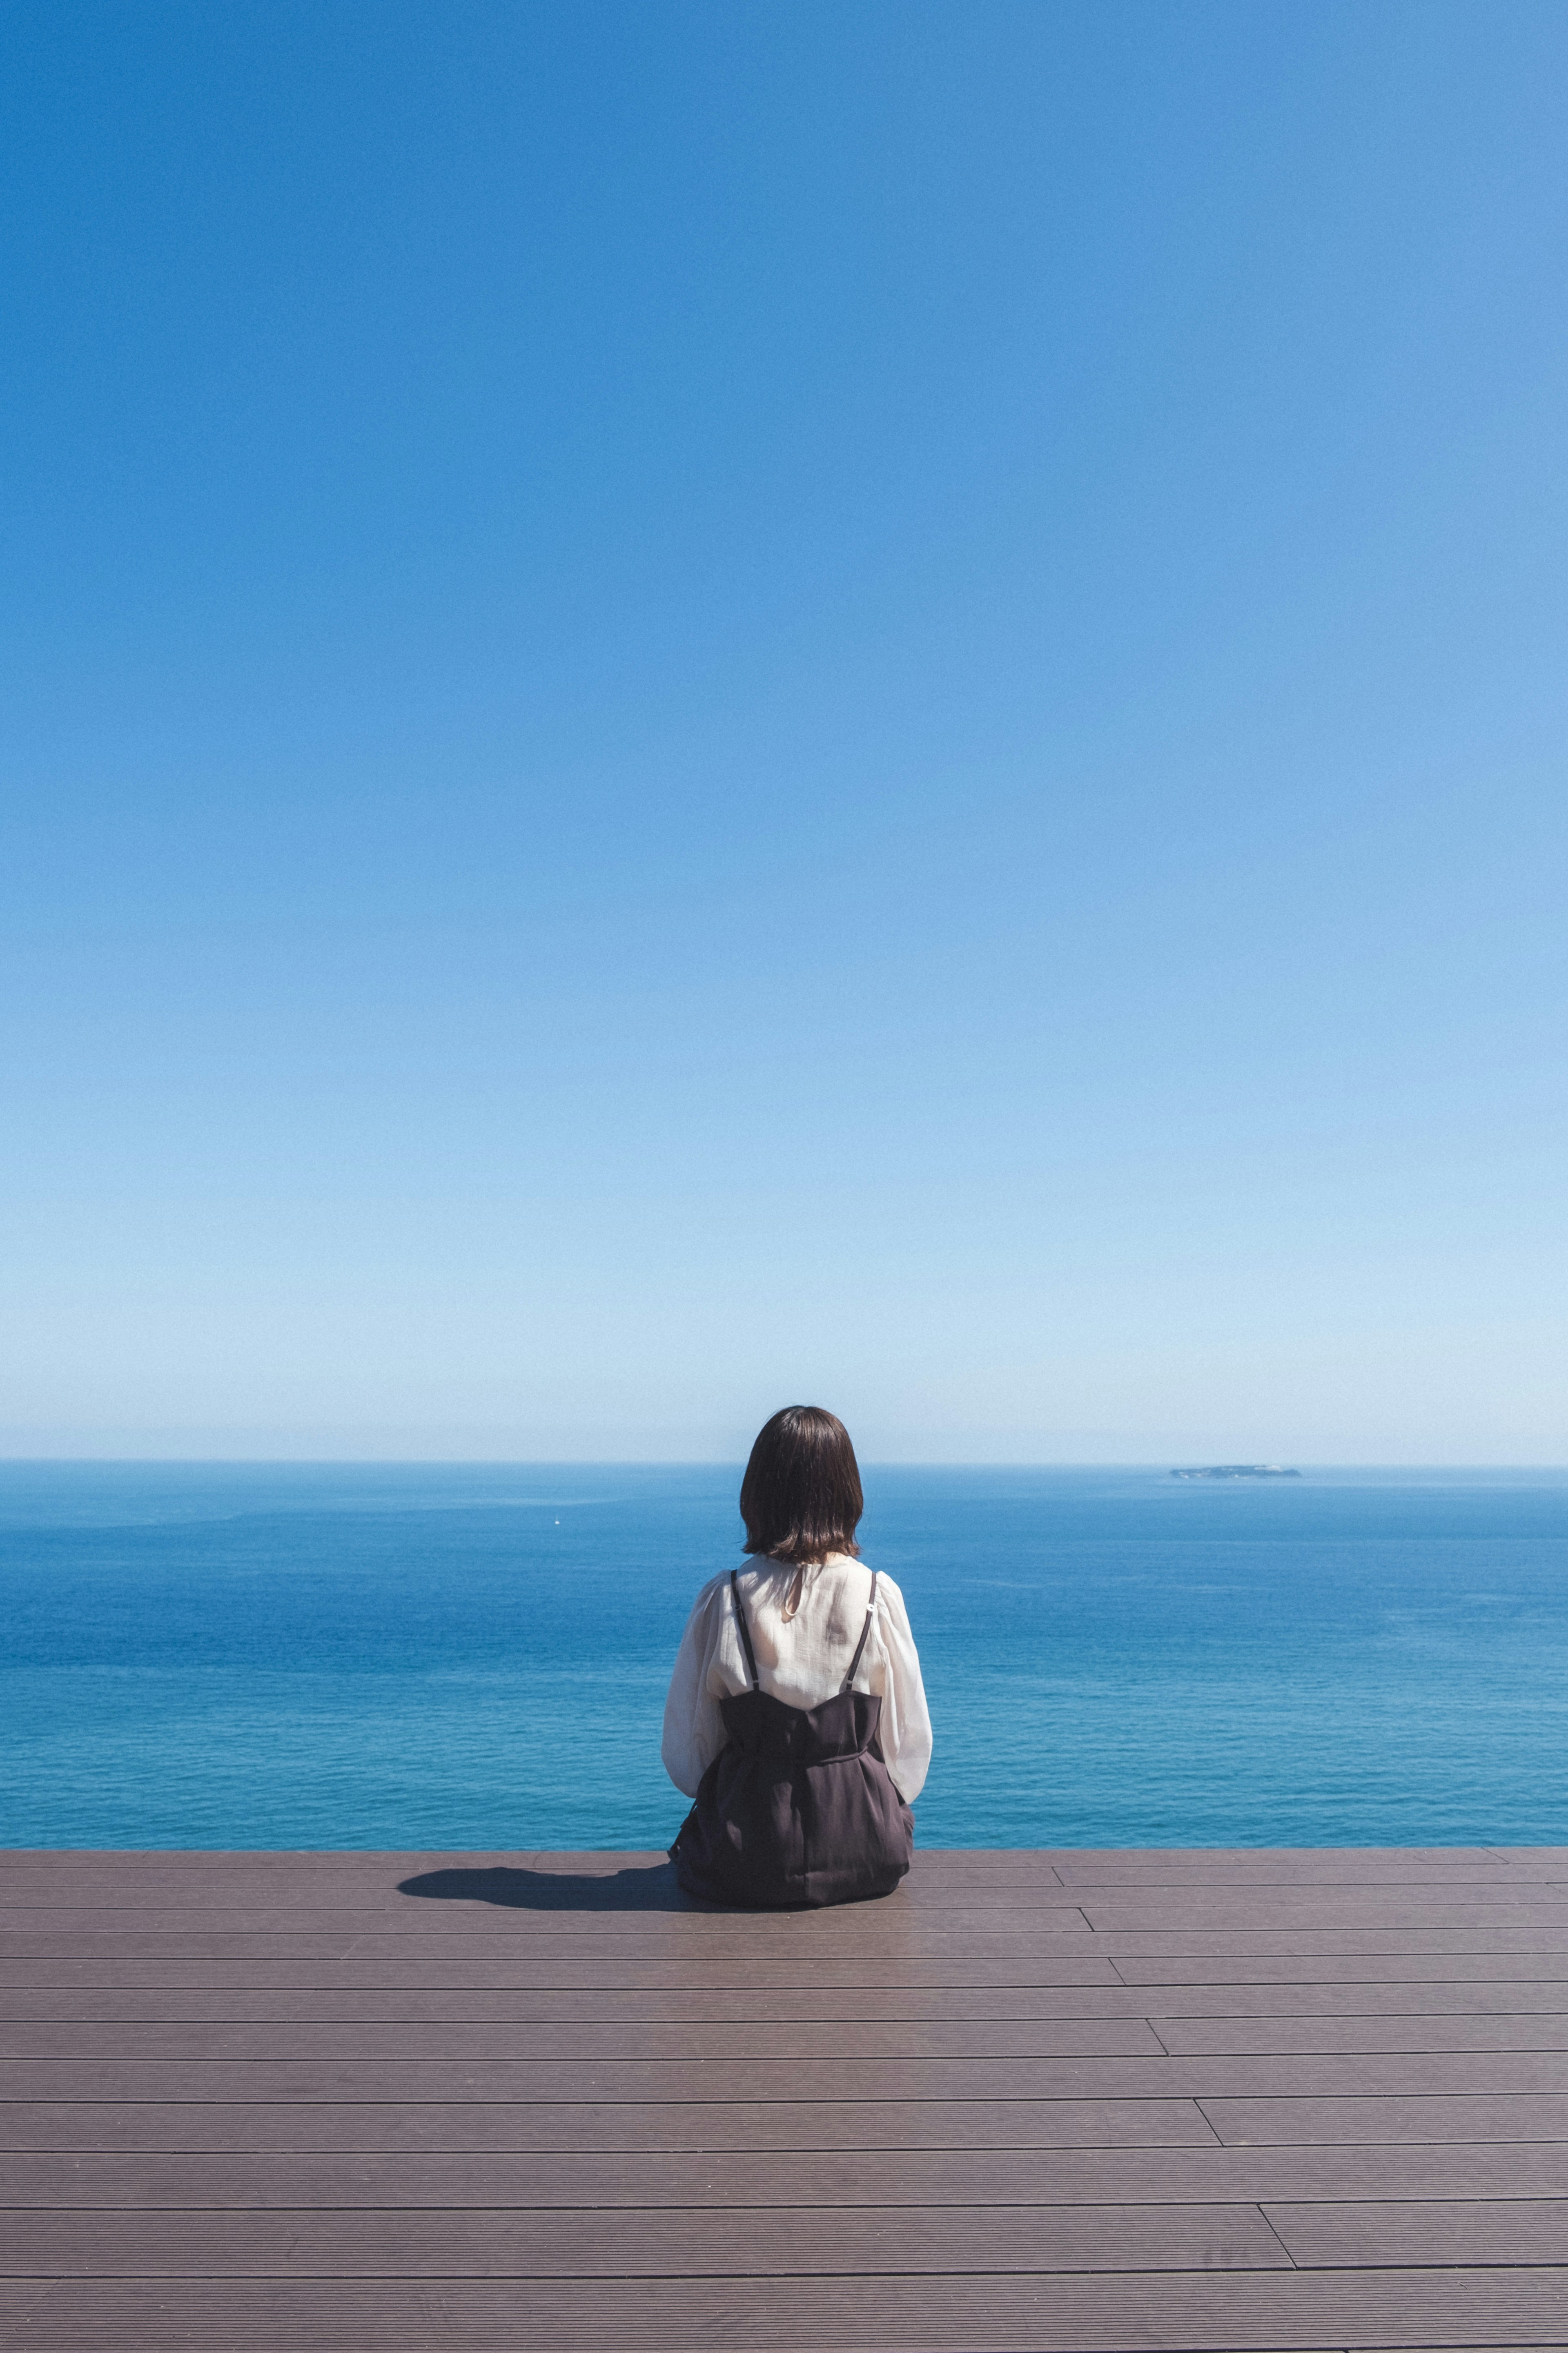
(712, 704)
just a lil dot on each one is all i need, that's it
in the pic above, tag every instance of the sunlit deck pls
(365, 2102)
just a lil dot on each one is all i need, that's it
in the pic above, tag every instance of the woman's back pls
(803, 1622)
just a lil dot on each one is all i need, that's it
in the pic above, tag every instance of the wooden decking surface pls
(362, 2102)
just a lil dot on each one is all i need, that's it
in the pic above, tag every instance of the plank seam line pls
(755, 2205)
(1219, 2141)
(868, 2148)
(935, 2100)
(1070, 2010)
(718, 1966)
(590, 2099)
(1226, 2272)
(1024, 1985)
(356, 2153)
(1169, 2012)
(159, 2015)
(1268, 2223)
(130, 2105)
(630, 2057)
(979, 1902)
(1056, 2100)
(1260, 2271)
(1164, 1942)
(1173, 1987)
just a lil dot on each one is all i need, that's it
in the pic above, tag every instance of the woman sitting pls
(796, 1716)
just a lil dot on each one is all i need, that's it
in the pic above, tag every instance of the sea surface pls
(452, 1657)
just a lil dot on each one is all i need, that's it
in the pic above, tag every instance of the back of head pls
(801, 1496)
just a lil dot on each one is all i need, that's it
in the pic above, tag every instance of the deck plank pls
(633, 2243)
(1428, 2118)
(1244, 2312)
(1121, 2035)
(1248, 2099)
(151, 1884)
(874, 2010)
(1184, 2174)
(1414, 2230)
(717, 2125)
(1417, 2031)
(766, 2083)
(911, 1928)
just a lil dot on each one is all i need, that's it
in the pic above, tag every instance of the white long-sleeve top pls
(803, 1655)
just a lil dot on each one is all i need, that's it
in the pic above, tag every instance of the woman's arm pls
(905, 1729)
(693, 1727)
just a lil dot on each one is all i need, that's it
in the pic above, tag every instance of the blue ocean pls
(451, 1657)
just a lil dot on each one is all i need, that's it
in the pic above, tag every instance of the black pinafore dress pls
(798, 1807)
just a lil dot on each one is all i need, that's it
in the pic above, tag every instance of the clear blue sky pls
(709, 704)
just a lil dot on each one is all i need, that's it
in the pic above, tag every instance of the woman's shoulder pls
(889, 1595)
(858, 1573)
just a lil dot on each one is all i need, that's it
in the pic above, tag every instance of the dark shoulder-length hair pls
(801, 1496)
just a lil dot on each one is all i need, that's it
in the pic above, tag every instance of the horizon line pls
(712, 1462)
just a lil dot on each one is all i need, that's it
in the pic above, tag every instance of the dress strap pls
(746, 1631)
(870, 1613)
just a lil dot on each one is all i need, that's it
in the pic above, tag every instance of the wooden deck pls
(360, 2102)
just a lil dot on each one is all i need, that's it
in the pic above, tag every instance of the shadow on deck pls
(642, 1888)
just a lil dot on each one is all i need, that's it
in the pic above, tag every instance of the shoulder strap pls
(746, 1631)
(870, 1613)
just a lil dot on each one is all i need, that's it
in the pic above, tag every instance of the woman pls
(796, 1716)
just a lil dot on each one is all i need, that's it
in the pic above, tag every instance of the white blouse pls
(803, 1655)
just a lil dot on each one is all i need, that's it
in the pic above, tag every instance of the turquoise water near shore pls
(476, 1656)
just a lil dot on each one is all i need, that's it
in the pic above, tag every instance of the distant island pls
(1238, 1471)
